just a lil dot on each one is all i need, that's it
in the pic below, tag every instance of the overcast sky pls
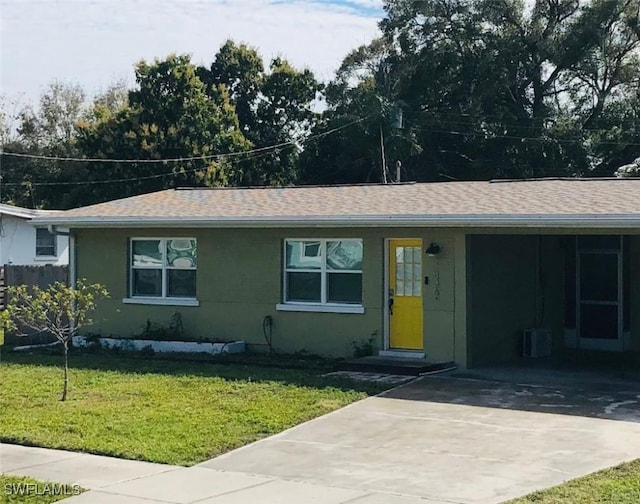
(96, 42)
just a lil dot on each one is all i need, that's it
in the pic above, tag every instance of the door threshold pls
(402, 354)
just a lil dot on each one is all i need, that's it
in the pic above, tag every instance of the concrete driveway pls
(453, 439)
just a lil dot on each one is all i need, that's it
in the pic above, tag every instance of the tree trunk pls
(65, 387)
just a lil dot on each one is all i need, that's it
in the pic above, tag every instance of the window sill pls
(318, 308)
(46, 258)
(161, 301)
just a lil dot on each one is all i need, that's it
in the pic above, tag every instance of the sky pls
(94, 43)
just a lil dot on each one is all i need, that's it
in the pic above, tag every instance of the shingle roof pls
(530, 201)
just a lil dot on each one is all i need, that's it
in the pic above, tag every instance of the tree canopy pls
(485, 89)
(169, 115)
(274, 107)
(491, 88)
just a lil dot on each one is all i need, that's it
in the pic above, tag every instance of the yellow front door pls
(405, 294)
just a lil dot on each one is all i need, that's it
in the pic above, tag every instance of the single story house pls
(24, 244)
(471, 272)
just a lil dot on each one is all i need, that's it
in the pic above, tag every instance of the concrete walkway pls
(436, 440)
(117, 481)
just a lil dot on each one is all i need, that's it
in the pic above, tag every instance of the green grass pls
(22, 490)
(617, 485)
(158, 410)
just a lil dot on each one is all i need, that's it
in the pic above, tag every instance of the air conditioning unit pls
(536, 343)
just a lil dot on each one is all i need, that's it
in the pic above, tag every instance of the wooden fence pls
(42, 276)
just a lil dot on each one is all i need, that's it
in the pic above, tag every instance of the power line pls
(110, 181)
(502, 120)
(261, 152)
(506, 124)
(489, 136)
(290, 143)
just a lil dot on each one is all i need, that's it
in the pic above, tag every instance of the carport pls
(552, 296)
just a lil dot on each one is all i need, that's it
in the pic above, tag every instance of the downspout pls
(73, 275)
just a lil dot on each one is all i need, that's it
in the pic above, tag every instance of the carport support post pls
(460, 350)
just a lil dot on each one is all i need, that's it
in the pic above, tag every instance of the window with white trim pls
(323, 271)
(45, 243)
(163, 267)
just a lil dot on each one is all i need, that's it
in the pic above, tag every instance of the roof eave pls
(18, 214)
(476, 221)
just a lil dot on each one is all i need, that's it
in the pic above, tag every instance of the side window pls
(163, 268)
(323, 271)
(45, 243)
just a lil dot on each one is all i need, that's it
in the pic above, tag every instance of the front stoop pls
(395, 365)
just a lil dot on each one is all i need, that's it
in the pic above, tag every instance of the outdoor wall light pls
(433, 250)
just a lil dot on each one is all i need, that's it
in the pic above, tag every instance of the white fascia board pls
(475, 221)
(20, 213)
(25, 213)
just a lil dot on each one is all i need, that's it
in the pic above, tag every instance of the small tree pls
(59, 309)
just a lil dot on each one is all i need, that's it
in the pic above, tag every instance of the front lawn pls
(23, 490)
(617, 485)
(158, 410)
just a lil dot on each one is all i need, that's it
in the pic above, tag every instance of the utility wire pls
(507, 124)
(289, 143)
(110, 181)
(261, 152)
(490, 136)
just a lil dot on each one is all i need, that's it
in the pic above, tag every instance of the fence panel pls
(41, 276)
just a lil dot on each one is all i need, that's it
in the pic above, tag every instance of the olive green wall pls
(482, 290)
(239, 283)
(502, 299)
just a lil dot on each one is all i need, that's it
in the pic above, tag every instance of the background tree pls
(488, 89)
(492, 88)
(59, 310)
(169, 115)
(113, 99)
(48, 130)
(273, 108)
(358, 95)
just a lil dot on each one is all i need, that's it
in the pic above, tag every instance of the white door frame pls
(387, 351)
(386, 323)
(617, 345)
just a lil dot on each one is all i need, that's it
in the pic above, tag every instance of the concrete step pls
(394, 365)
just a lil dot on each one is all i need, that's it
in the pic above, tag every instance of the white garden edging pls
(24, 348)
(163, 346)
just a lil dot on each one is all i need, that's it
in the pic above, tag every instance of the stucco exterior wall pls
(239, 282)
(18, 244)
(481, 290)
